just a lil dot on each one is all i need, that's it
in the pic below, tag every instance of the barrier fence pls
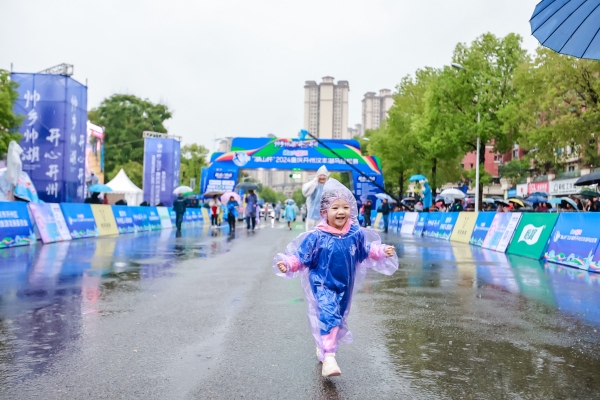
(570, 239)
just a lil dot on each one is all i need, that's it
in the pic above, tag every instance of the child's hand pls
(389, 251)
(282, 267)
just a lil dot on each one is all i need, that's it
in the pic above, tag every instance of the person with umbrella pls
(214, 206)
(367, 208)
(427, 199)
(313, 191)
(251, 206)
(385, 214)
(456, 206)
(179, 206)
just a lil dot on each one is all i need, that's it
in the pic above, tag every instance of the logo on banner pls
(531, 234)
(240, 158)
(223, 175)
(556, 236)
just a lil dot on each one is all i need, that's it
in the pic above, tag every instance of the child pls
(332, 260)
(290, 214)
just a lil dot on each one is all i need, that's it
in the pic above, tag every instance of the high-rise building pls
(326, 108)
(356, 131)
(375, 108)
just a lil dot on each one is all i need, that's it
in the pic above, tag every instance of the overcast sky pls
(237, 68)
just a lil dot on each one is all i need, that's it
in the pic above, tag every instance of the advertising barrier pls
(153, 218)
(140, 219)
(532, 234)
(50, 229)
(395, 221)
(124, 219)
(80, 220)
(447, 225)
(433, 224)
(496, 231)
(105, 220)
(481, 228)
(464, 227)
(574, 240)
(409, 222)
(507, 236)
(16, 228)
(165, 218)
(421, 224)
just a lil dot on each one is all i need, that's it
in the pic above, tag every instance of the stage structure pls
(54, 107)
(162, 161)
(293, 154)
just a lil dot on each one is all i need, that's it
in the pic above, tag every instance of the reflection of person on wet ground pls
(179, 206)
(290, 214)
(251, 204)
(232, 213)
(329, 259)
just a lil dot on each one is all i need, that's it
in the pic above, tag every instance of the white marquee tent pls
(123, 188)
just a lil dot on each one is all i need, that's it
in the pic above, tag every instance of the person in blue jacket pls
(332, 260)
(289, 214)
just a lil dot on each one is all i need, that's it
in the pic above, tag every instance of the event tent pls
(123, 188)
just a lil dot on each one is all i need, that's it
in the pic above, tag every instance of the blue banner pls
(447, 225)
(433, 224)
(482, 226)
(219, 179)
(54, 108)
(140, 219)
(153, 218)
(574, 240)
(395, 221)
(421, 222)
(161, 170)
(16, 228)
(124, 218)
(80, 220)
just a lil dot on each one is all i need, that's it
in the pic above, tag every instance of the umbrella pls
(182, 190)
(417, 177)
(568, 27)
(589, 193)
(383, 196)
(489, 201)
(537, 199)
(248, 186)
(540, 194)
(555, 201)
(408, 199)
(225, 197)
(502, 201)
(570, 201)
(213, 193)
(589, 179)
(453, 194)
(100, 188)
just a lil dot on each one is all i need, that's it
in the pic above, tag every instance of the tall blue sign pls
(162, 159)
(54, 134)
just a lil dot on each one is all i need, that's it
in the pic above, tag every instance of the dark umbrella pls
(589, 179)
(536, 199)
(589, 193)
(540, 194)
(248, 186)
(502, 201)
(568, 27)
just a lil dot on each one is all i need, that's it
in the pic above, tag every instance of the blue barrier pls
(80, 220)
(124, 218)
(447, 225)
(432, 227)
(16, 228)
(482, 226)
(421, 222)
(574, 241)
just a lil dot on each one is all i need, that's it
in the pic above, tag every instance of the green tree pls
(298, 197)
(559, 107)
(342, 177)
(193, 159)
(125, 118)
(268, 194)
(9, 122)
(515, 169)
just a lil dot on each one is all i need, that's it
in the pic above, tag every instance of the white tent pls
(123, 188)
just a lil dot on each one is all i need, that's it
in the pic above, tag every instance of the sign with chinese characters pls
(105, 220)
(537, 187)
(409, 223)
(124, 219)
(50, 230)
(515, 217)
(464, 227)
(564, 187)
(531, 237)
(481, 228)
(161, 170)
(80, 220)
(574, 240)
(16, 228)
(522, 190)
(219, 179)
(433, 224)
(447, 225)
(54, 108)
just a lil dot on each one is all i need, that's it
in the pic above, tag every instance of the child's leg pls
(330, 341)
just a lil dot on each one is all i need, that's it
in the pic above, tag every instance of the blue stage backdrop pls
(162, 159)
(54, 134)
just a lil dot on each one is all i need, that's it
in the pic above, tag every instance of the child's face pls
(338, 214)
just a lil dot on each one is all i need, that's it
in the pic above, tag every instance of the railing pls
(541, 178)
(569, 174)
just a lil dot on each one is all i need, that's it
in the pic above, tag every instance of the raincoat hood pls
(322, 171)
(333, 190)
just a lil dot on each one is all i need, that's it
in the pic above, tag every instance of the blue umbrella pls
(568, 27)
(417, 177)
(536, 199)
(555, 201)
(99, 188)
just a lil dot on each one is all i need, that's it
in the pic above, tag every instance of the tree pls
(515, 169)
(125, 118)
(268, 194)
(193, 159)
(135, 172)
(343, 178)
(9, 122)
(559, 107)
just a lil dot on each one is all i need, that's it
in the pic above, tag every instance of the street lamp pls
(460, 67)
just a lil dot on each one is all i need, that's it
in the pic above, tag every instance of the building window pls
(571, 168)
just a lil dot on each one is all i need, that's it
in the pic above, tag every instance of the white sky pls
(237, 67)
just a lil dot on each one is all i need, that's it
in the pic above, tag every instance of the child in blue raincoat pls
(331, 260)
(289, 213)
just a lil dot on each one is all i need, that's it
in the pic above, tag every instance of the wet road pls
(153, 316)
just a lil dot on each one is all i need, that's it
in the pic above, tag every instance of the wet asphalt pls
(203, 316)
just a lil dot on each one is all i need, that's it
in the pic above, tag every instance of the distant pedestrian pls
(278, 211)
(179, 206)
(214, 206)
(456, 206)
(251, 206)
(290, 214)
(232, 213)
(385, 214)
(367, 209)
(329, 259)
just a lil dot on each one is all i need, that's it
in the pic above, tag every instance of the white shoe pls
(330, 367)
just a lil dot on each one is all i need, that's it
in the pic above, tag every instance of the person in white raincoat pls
(313, 190)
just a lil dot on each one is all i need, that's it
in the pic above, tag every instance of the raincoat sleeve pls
(300, 254)
(374, 254)
(309, 187)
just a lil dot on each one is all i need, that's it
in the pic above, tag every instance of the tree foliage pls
(298, 197)
(193, 159)
(515, 169)
(9, 122)
(125, 118)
